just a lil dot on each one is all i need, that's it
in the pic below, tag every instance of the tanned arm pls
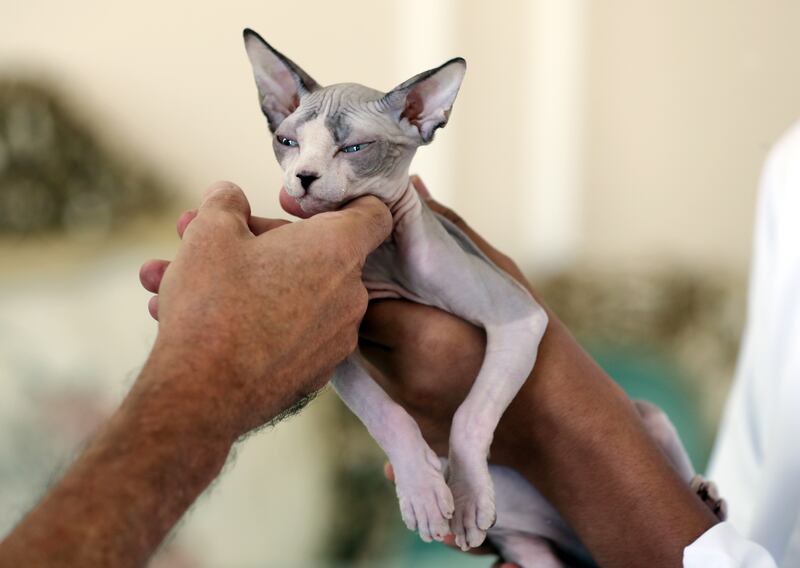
(571, 430)
(136, 479)
(235, 309)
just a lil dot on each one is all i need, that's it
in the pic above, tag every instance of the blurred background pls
(612, 148)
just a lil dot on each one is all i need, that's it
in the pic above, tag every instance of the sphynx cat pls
(339, 142)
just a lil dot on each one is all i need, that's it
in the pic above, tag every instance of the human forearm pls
(130, 486)
(571, 431)
(236, 309)
(589, 453)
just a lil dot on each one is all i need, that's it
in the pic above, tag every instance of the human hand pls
(243, 296)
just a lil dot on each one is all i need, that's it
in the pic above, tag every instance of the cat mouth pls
(306, 205)
(291, 206)
(314, 205)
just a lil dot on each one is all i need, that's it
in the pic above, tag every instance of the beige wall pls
(656, 119)
(683, 100)
(170, 81)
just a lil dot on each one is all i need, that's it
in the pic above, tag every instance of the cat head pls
(338, 142)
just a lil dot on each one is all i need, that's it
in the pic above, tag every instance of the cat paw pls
(473, 493)
(709, 495)
(426, 502)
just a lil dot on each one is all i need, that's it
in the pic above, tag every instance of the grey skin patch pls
(305, 115)
(339, 126)
(379, 159)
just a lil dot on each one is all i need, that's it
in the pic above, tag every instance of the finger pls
(291, 206)
(260, 225)
(151, 273)
(152, 307)
(388, 471)
(420, 186)
(226, 197)
(184, 220)
(364, 222)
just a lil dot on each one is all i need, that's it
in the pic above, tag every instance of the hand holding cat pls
(251, 290)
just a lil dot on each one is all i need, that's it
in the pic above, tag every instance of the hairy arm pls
(135, 480)
(235, 309)
(571, 430)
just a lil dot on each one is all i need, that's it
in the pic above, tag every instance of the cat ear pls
(281, 84)
(425, 101)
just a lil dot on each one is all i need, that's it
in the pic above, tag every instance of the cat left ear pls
(425, 100)
(281, 83)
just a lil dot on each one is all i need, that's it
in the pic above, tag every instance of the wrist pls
(178, 391)
(207, 390)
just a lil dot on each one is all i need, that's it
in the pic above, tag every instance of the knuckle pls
(381, 220)
(222, 186)
(374, 214)
(360, 303)
(352, 343)
(346, 341)
(227, 197)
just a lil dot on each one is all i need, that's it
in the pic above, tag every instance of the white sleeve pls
(722, 546)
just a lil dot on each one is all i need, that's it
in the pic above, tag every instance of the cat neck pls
(404, 201)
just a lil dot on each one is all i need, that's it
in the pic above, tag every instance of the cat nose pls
(307, 178)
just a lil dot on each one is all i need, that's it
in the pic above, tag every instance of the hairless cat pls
(342, 141)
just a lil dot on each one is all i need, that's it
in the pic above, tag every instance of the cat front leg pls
(426, 503)
(511, 350)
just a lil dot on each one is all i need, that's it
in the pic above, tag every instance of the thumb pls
(226, 197)
(365, 221)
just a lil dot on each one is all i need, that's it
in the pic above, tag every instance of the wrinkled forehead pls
(344, 109)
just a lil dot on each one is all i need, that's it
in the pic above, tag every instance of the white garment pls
(756, 461)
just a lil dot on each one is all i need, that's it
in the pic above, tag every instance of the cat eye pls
(287, 141)
(355, 147)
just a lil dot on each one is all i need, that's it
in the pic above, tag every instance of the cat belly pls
(394, 270)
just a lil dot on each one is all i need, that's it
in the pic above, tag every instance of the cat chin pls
(312, 205)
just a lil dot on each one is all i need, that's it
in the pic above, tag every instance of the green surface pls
(437, 555)
(648, 375)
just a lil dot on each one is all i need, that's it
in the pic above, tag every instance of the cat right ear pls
(425, 101)
(281, 83)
